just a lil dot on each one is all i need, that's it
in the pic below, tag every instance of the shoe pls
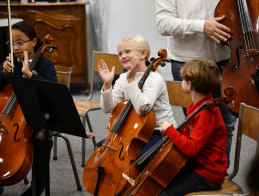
(1, 190)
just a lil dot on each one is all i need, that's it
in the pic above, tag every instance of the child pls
(204, 140)
(25, 44)
(133, 53)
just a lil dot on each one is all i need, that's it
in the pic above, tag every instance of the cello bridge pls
(3, 129)
(110, 147)
(251, 52)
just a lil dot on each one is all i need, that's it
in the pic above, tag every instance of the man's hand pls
(215, 30)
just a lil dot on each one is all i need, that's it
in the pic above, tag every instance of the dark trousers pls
(39, 161)
(187, 182)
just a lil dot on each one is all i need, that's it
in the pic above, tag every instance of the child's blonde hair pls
(138, 42)
(203, 74)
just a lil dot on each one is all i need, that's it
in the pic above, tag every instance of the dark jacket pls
(44, 70)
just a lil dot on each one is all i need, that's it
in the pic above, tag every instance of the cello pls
(240, 81)
(128, 131)
(16, 149)
(157, 175)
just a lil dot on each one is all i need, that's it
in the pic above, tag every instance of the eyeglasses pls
(18, 43)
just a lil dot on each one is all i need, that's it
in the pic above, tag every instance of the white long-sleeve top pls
(154, 92)
(183, 22)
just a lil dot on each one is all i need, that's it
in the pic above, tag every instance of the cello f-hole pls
(15, 134)
(238, 57)
(122, 146)
(255, 77)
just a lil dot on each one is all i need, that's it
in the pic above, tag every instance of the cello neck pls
(206, 105)
(128, 106)
(244, 15)
(35, 60)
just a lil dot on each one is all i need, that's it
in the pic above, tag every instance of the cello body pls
(237, 82)
(105, 170)
(167, 163)
(118, 152)
(16, 149)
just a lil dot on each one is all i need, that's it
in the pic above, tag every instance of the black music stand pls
(47, 106)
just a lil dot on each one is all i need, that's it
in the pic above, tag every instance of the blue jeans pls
(187, 182)
(228, 118)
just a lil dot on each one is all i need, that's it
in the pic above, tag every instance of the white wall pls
(111, 20)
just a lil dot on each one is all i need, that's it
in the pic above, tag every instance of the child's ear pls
(144, 53)
(34, 41)
(190, 86)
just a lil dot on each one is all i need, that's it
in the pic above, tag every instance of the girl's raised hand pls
(106, 75)
(26, 68)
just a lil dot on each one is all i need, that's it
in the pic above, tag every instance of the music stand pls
(47, 106)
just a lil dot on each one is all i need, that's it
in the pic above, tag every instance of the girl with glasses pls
(25, 45)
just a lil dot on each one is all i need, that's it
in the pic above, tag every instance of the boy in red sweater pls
(204, 140)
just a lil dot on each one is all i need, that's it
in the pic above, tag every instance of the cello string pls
(251, 45)
(121, 117)
(249, 26)
(242, 21)
(10, 104)
(6, 109)
(246, 28)
(246, 21)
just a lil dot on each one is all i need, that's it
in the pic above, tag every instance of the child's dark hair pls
(28, 30)
(203, 74)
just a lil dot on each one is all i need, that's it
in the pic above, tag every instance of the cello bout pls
(103, 171)
(241, 76)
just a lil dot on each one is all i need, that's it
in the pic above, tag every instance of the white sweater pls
(154, 92)
(183, 22)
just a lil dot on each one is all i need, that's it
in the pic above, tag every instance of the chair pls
(177, 97)
(85, 106)
(248, 125)
(65, 78)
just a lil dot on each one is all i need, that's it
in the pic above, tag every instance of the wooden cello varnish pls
(242, 18)
(128, 131)
(167, 162)
(16, 150)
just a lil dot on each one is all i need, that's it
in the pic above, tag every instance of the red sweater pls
(204, 142)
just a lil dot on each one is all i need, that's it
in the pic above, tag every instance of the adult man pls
(193, 32)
